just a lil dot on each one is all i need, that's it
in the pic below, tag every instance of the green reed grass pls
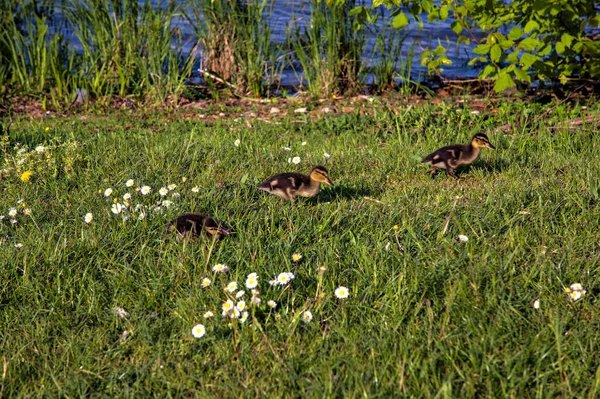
(329, 48)
(427, 316)
(236, 43)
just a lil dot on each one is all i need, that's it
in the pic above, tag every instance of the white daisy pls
(227, 306)
(172, 186)
(272, 282)
(205, 282)
(129, 183)
(198, 331)
(252, 281)
(208, 315)
(12, 212)
(536, 304)
(196, 189)
(88, 217)
(126, 197)
(108, 192)
(27, 211)
(142, 216)
(231, 287)
(18, 245)
(237, 143)
(342, 292)
(296, 257)
(462, 238)
(244, 317)
(40, 148)
(296, 160)
(272, 304)
(307, 316)
(176, 195)
(303, 143)
(241, 305)
(145, 190)
(284, 278)
(239, 294)
(167, 203)
(220, 268)
(287, 149)
(116, 208)
(163, 191)
(326, 155)
(576, 287)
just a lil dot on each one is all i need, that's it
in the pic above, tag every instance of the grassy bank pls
(427, 315)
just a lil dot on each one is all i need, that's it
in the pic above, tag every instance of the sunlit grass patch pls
(368, 289)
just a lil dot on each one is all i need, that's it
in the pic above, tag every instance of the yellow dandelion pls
(26, 176)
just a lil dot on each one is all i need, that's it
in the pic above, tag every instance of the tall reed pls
(386, 58)
(236, 43)
(127, 48)
(329, 49)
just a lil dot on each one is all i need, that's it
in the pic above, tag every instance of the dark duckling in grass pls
(291, 185)
(191, 225)
(453, 156)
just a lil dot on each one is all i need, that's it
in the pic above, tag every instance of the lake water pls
(286, 12)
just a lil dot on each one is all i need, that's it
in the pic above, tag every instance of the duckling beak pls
(491, 147)
(328, 182)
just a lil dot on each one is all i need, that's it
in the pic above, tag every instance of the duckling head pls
(480, 140)
(319, 174)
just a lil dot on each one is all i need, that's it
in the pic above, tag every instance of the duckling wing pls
(444, 156)
(283, 181)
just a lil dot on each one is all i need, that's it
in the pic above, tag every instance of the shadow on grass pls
(486, 167)
(344, 192)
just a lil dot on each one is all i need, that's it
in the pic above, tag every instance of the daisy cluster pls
(243, 300)
(27, 163)
(14, 216)
(139, 201)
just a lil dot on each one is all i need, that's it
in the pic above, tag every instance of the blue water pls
(286, 12)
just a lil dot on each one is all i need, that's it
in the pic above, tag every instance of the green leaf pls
(513, 57)
(560, 47)
(531, 26)
(489, 69)
(504, 82)
(400, 21)
(566, 39)
(515, 33)
(522, 75)
(457, 27)
(529, 44)
(495, 53)
(482, 49)
(444, 12)
(377, 3)
(506, 44)
(528, 59)
(439, 50)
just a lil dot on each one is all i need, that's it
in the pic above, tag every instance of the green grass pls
(427, 317)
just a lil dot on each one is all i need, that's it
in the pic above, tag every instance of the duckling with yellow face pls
(453, 156)
(291, 185)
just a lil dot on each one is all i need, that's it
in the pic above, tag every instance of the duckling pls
(453, 156)
(190, 225)
(290, 185)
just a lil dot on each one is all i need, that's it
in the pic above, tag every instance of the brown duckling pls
(191, 225)
(453, 156)
(291, 185)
